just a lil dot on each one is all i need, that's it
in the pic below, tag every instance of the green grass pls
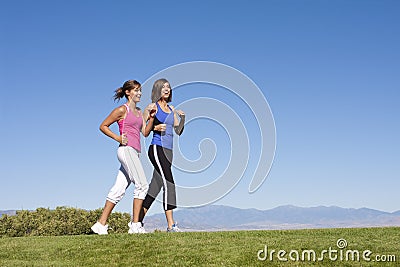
(235, 248)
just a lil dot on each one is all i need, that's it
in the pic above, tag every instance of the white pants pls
(131, 171)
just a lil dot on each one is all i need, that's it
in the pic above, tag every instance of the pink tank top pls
(131, 126)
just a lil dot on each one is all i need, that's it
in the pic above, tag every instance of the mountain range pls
(218, 218)
(221, 218)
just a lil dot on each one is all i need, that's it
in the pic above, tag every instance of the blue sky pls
(328, 69)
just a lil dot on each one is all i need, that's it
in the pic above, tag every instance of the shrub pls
(60, 221)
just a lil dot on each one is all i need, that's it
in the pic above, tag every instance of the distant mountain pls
(217, 217)
(396, 213)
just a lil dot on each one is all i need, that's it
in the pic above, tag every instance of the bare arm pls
(179, 124)
(116, 115)
(148, 119)
(147, 128)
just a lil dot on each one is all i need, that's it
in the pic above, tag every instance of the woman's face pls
(136, 94)
(165, 91)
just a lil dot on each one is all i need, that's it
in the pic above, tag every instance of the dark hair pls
(156, 91)
(128, 85)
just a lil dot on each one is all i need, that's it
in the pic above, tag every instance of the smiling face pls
(135, 94)
(165, 91)
(161, 91)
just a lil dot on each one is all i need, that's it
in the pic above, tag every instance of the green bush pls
(60, 221)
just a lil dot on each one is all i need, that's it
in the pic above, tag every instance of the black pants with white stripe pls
(161, 158)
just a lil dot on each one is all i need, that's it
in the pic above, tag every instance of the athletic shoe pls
(174, 228)
(136, 228)
(142, 230)
(100, 229)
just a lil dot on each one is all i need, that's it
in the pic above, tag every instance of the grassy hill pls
(235, 248)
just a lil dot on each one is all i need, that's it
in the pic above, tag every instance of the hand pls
(124, 139)
(160, 127)
(151, 109)
(180, 113)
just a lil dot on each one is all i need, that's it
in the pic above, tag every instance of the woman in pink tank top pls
(131, 122)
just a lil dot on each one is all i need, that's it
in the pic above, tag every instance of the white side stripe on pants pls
(162, 176)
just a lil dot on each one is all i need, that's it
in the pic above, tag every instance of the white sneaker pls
(141, 229)
(100, 229)
(174, 228)
(136, 228)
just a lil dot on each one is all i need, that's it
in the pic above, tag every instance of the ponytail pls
(128, 85)
(119, 93)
